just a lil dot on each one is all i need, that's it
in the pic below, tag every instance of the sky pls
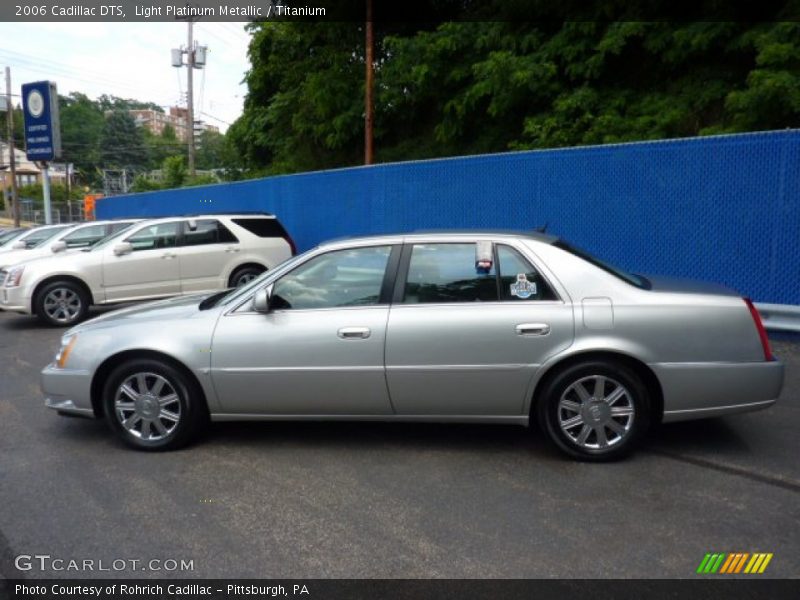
(130, 60)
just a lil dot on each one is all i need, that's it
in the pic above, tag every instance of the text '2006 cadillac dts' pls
(488, 327)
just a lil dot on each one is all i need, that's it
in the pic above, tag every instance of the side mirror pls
(19, 245)
(59, 246)
(123, 248)
(262, 300)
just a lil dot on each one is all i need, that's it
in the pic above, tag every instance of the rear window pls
(265, 228)
(636, 280)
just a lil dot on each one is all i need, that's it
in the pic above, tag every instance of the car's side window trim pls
(390, 275)
(399, 292)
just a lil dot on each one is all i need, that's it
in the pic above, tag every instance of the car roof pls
(445, 233)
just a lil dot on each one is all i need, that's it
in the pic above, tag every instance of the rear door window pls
(446, 273)
(207, 231)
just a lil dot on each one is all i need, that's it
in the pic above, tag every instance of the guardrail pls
(780, 317)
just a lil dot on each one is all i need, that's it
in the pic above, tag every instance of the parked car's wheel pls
(244, 275)
(594, 411)
(152, 405)
(61, 303)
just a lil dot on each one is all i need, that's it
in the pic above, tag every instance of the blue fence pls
(724, 209)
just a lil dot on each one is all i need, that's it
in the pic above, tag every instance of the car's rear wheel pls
(151, 405)
(594, 411)
(244, 275)
(61, 303)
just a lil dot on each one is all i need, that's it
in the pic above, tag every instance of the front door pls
(467, 332)
(320, 351)
(151, 270)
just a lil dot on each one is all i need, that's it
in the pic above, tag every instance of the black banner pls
(422, 11)
(399, 589)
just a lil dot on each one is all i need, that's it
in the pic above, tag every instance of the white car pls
(71, 237)
(153, 259)
(32, 238)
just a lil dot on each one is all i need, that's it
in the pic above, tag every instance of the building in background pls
(178, 118)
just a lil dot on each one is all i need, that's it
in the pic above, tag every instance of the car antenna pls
(543, 228)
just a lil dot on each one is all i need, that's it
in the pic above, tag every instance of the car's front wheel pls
(152, 405)
(61, 303)
(595, 410)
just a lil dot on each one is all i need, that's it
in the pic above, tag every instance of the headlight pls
(67, 343)
(14, 276)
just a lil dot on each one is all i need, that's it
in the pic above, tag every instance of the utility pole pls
(368, 112)
(190, 97)
(195, 59)
(12, 159)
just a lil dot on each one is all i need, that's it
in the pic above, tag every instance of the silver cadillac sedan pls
(487, 327)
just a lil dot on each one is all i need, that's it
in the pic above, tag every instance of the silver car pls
(450, 327)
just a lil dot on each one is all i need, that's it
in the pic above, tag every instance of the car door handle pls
(354, 333)
(232, 249)
(168, 255)
(533, 329)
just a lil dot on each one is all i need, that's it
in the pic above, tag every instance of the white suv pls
(152, 259)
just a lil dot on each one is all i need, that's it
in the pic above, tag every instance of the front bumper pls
(700, 390)
(67, 391)
(14, 300)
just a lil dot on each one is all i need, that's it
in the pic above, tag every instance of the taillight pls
(762, 333)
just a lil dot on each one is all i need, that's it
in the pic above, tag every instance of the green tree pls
(122, 143)
(174, 172)
(82, 124)
(467, 87)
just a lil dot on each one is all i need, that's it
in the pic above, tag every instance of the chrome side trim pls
(436, 368)
(671, 416)
(499, 419)
(296, 369)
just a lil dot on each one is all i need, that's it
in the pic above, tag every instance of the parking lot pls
(381, 500)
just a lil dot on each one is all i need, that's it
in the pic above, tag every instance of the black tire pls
(189, 405)
(560, 403)
(244, 275)
(62, 303)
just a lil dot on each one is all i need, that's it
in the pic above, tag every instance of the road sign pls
(42, 126)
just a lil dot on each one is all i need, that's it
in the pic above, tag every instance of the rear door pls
(207, 251)
(465, 336)
(151, 270)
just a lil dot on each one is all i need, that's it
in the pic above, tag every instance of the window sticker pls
(484, 258)
(523, 288)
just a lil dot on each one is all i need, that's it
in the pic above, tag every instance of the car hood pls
(680, 285)
(180, 307)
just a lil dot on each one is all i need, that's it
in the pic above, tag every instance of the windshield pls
(109, 238)
(234, 294)
(633, 279)
(38, 237)
(9, 236)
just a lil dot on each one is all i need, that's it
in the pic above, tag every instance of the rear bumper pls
(700, 390)
(67, 391)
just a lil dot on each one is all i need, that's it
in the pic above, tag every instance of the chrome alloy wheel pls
(147, 406)
(245, 278)
(596, 412)
(62, 305)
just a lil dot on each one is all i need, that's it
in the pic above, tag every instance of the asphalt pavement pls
(347, 500)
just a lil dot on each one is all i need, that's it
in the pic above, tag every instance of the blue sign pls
(42, 126)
